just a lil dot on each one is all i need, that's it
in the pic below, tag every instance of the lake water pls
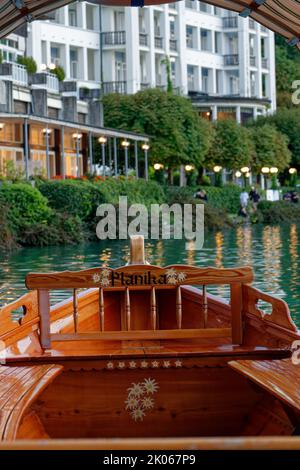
(272, 251)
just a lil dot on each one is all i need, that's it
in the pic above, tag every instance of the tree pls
(167, 64)
(270, 148)
(231, 146)
(286, 121)
(178, 135)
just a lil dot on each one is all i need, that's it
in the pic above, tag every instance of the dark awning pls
(281, 16)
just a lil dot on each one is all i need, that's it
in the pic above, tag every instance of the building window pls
(218, 42)
(226, 113)
(234, 84)
(253, 84)
(90, 17)
(38, 163)
(264, 84)
(55, 55)
(172, 28)
(71, 165)
(37, 136)
(74, 63)
(246, 115)
(205, 40)
(11, 133)
(15, 156)
(191, 76)
(120, 67)
(119, 20)
(73, 15)
(219, 82)
(205, 79)
(190, 40)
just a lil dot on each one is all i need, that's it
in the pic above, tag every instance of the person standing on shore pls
(254, 198)
(244, 197)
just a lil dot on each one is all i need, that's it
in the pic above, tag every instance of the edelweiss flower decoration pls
(174, 277)
(102, 277)
(140, 398)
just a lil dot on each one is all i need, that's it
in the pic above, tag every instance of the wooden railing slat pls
(153, 308)
(178, 308)
(44, 310)
(101, 308)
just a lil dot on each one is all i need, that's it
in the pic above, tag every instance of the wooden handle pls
(127, 309)
(178, 308)
(101, 309)
(204, 305)
(75, 310)
(153, 307)
(137, 250)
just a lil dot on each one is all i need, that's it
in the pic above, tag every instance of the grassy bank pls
(64, 212)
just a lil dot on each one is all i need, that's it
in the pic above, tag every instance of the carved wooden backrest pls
(146, 278)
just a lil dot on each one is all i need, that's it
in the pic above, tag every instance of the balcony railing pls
(231, 59)
(158, 42)
(114, 87)
(113, 38)
(264, 63)
(19, 74)
(52, 83)
(173, 45)
(252, 61)
(230, 22)
(143, 39)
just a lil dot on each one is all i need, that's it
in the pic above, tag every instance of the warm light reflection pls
(244, 245)
(293, 249)
(271, 253)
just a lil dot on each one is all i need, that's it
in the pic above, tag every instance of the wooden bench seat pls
(19, 387)
(281, 378)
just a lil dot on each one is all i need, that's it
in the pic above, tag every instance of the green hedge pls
(25, 205)
(73, 197)
(276, 212)
(226, 198)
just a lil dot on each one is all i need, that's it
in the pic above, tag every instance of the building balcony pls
(230, 22)
(143, 38)
(231, 59)
(114, 87)
(113, 38)
(173, 45)
(252, 61)
(45, 80)
(158, 42)
(264, 63)
(15, 72)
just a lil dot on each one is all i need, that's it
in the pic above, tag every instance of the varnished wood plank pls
(144, 276)
(145, 335)
(44, 311)
(279, 377)
(75, 310)
(236, 313)
(175, 443)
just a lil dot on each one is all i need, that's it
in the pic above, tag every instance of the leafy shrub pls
(74, 197)
(226, 198)
(279, 211)
(7, 240)
(25, 206)
(29, 63)
(59, 72)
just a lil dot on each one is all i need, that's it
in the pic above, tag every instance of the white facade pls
(224, 62)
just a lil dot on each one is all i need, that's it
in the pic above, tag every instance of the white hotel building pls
(225, 63)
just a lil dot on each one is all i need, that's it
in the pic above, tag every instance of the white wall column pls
(132, 49)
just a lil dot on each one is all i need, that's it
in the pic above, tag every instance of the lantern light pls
(245, 169)
(217, 168)
(273, 170)
(77, 135)
(265, 169)
(125, 143)
(145, 146)
(238, 174)
(102, 140)
(158, 166)
(189, 167)
(248, 174)
(292, 171)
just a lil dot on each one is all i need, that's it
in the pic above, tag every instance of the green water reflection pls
(272, 251)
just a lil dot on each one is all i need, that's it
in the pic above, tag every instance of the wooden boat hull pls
(178, 378)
